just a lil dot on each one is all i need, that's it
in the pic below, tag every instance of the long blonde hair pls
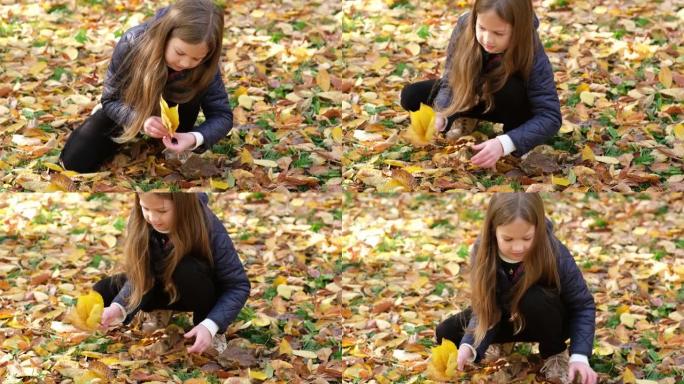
(469, 85)
(539, 264)
(143, 73)
(189, 235)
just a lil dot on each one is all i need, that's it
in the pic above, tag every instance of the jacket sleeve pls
(219, 116)
(579, 302)
(443, 97)
(229, 276)
(112, 105)
(122, 299)
(469, 338)
(544, 105)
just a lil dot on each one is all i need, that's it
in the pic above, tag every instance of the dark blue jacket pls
(230, 279)
(574, 294)
(213, 100)
(541, 93)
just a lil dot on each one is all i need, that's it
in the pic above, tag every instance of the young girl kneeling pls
(177, 256)
(496, 70)
(525, 287)
(175, 55)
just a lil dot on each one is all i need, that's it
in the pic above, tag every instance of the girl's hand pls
(489, 153)
(184, 141)
(202, 338)
(440, 122)
(154, 127)
(465, 354)
(583, 371)
(110, 316)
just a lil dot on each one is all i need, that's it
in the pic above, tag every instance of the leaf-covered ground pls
(53, 247)
(618, 69)
(406, 268)
(279, 66)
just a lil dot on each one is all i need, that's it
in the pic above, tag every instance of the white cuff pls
(506, 143)
(123, 312)
(199, 139)
(577, 358)
(210, 325)
(472, 350)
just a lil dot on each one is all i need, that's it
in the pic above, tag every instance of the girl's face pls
(492, 32)
(180, 55)
(515, 239)
(158, 212)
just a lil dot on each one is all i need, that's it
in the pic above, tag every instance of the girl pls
(177, 256)
(525, 287)
(496, 70)
(176, 56)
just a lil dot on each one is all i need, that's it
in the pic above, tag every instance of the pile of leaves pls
(55, 246)
(406, 268)
(278, 64)
(618, 72)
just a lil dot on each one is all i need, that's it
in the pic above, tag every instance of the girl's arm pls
(579, 302)
(231, 279)
(219, 116)
(544, 104)
(122, 300)
(469, 338)
(112, 105)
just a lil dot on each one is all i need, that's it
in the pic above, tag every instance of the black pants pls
(90, 145)
(194, 284)
(511, 107)
(545, 322)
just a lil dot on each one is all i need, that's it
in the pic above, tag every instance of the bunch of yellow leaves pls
(443, 362)
(169, 116)
(88, 311)
(422, 129)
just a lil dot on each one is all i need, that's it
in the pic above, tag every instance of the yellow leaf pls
(245, 101)
(608, 159)
(109, 241)
(420, 282)
(628, 377)
(285, 291)
(37, 68)
(305, 353)
(562, 181)
(71, 52)
(88, 311)
(285, 348)
(240, 91)
(279, 280)
(587, 98)
(261, 321)
(422, 128)
(665, 76)
(169, 116)
(379, 63)
(337, 134)
(257, 375)
(323, 80)
(218, 184)
(678, 131)
(246, 156)
(582, 88)
(588, 154)
(266, 163)
(443, 361)
(413, 48)
(53, 166)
